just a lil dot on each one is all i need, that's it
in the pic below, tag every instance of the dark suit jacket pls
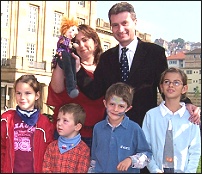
(148, 63)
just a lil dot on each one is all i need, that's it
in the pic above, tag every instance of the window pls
(81, 21)
(31, 52)
(181, 63)
(9, 96)
(6, 95)
(173, 62)
(4, 13)
(189, 81)
(106, 24)
(57, 23)
(188, 71)
(3, 97)
(81, 3)
(4, 48)
(33, 18)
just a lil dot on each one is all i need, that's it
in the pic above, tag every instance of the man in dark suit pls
(146, 63)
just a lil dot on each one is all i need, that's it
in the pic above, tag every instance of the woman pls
(89, 51)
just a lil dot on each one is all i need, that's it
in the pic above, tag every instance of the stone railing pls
(23, 63)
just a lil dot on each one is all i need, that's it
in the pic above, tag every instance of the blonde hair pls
(66, 23)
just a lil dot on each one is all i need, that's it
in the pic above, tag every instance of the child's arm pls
(3, 143)
(124, 165)
(152, 166)
(91, 169)
(140, 160)
(194, 150)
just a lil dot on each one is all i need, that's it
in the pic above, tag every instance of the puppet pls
(64, 48)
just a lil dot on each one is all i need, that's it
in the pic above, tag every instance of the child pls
(25, 132)
(64, 48)
(68, 154)
(186, 135)
(119, 144)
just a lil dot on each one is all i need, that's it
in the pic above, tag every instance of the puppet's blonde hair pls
(66, 23)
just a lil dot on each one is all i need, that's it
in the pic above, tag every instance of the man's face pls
(123, 28)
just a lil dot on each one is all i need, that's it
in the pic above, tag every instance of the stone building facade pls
(29, 33)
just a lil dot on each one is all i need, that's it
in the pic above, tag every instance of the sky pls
(163, 19)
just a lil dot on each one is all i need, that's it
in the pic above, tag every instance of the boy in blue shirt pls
(119, 144)
(186, 135)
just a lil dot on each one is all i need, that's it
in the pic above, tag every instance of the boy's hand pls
(124, 165)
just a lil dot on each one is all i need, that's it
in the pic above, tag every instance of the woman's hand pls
(78, 63)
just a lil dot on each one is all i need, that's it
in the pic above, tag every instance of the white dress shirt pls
(131, 51)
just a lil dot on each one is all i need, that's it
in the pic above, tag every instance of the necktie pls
(168, 154)
(124, 65)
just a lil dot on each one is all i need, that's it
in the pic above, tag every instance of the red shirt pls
(94, 108)
(23, 146)
(76, 160)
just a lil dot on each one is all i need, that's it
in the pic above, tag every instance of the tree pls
(179, 40)
(196, 93)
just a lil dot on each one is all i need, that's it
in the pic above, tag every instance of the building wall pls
(193, 69)
(17, 35)
(190, 63)
(173, 63)
(194, 79)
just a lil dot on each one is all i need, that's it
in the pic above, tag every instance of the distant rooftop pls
(195, 51)
(178, 56)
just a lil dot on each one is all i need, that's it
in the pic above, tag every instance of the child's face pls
(26, 96)
(71, 32)
(171, 91)
(66, 126)
(116, 108)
